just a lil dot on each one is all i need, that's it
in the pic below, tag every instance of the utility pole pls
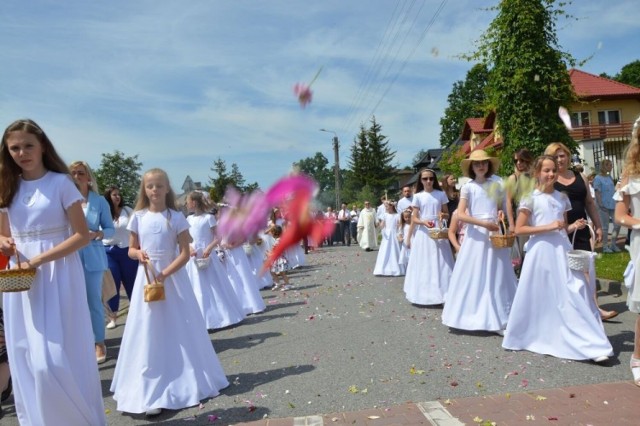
(336, 154)
(336, 167)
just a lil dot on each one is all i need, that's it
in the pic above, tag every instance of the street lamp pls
(336, 168)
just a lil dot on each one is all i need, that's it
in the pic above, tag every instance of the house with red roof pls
(602, 118)
(601, 121)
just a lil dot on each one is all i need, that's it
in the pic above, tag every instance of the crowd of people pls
(497, 254)
(182, 279)
(448, 242)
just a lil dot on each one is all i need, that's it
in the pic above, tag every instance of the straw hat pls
(478, 155)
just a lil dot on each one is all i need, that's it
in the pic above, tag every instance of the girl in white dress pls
(217, 301)
(166, 358)
(627, 213)
(256, 256)
(431, 261)
(403, 232)
(551, 296)
(483, 283)
(388, 258)
(48, 333)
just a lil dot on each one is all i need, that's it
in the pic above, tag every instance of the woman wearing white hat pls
(483, 283)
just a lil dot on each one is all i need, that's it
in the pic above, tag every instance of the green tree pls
(236, 177)
(371, 160)
(381, 174)
(630, 74)
(450, 162)
(466, 100)
(419, 156)
(318, 168)
(122, 171)
(528, 78)
(218, 185)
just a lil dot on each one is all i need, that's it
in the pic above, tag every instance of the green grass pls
(611, 266)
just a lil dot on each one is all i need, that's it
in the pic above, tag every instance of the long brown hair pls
(10, 171)
(420, 185)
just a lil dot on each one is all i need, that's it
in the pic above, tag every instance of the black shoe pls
(7, 392)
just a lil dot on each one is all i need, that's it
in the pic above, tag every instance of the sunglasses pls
(428, 178)
(518, 160)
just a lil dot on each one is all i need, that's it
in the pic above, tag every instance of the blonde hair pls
(553, 147)
(143, 201)
(602, 163)
(632, 154)
(93, 184)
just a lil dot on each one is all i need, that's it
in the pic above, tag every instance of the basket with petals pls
(580, 260)
(441, 233)
(503, 239)
(20, 279)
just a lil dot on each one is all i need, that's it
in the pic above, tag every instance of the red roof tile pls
(589, 85)
(476, 124)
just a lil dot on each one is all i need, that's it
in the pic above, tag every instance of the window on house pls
(580, 119)
(609, 117)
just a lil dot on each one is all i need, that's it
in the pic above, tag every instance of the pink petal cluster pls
(245, 216)
(304, 93)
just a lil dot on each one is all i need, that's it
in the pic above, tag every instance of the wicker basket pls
(580, 260)
(501, 240)
(13, 280)
(441, 233)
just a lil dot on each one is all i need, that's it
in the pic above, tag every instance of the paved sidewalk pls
(577, 405)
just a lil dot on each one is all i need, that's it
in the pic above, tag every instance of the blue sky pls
(183, 83)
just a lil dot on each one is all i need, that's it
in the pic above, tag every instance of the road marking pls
(437, 414)
(308, 421)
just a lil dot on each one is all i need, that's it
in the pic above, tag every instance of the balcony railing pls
(602, 131)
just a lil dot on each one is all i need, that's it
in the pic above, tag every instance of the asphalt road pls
(344, 340)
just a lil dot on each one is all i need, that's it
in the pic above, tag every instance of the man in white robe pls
(367, 233)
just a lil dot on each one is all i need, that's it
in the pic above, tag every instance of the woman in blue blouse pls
(94, 260)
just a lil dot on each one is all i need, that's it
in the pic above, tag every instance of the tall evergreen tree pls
(219, 184)
(357, 161)
(467, 99)
(381, 174)
(371, 161)
(528, 78)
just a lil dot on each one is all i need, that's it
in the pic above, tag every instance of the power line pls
(403, 65)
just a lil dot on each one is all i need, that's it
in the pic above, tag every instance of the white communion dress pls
(388, 259)
(166, 357)
(217, 301)
(50, 342)
(550, 297)
(431, 261)
(483, 282)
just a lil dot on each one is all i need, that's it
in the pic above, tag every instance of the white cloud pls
(181, 84)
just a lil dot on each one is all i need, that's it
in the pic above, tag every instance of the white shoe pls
(111, 324)
(153, 412)
(600, 359)
(607, 250)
